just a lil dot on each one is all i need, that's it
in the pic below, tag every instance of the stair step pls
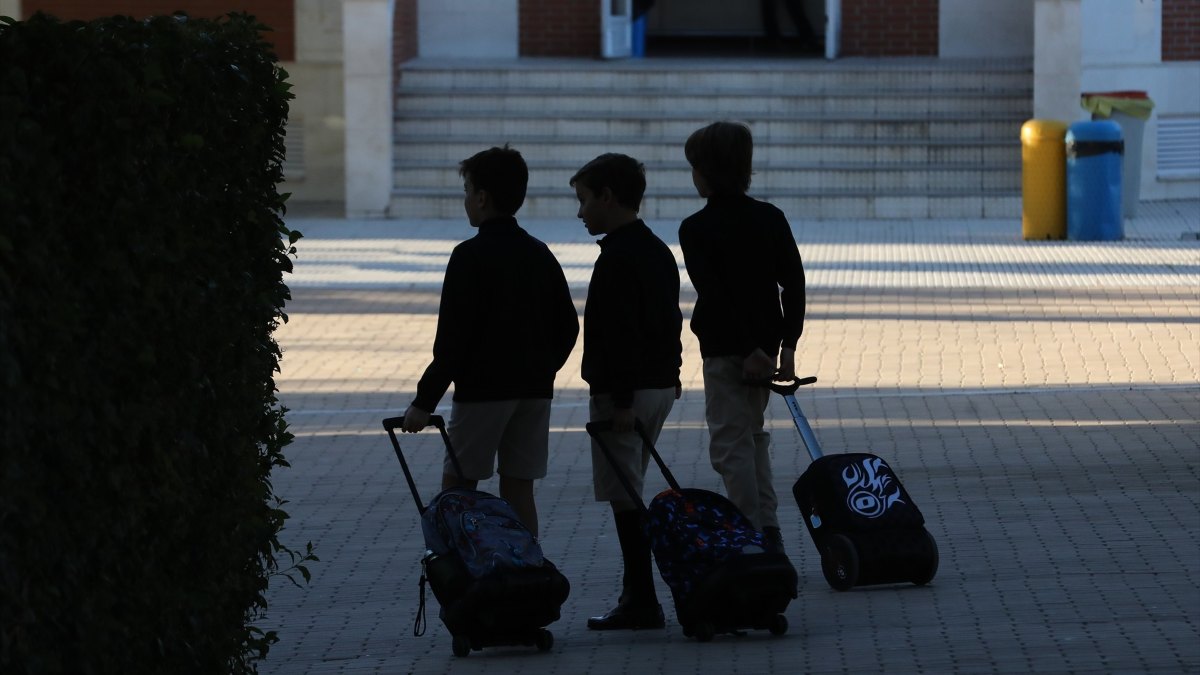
(716, 103)
(725, 75)
(766, 130)
(679, 176)
(453, 149)
(827, 205)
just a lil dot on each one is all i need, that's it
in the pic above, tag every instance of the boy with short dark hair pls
(631, 358)
(740, 253)
(506, 325)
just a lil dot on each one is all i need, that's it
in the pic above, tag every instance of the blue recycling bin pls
(1094, 152)
(639, 37)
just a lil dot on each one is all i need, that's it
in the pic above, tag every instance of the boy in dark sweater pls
(506, 325)
(631, 358)
(740, 253)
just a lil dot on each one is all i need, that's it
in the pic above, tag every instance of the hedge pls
(142, 253)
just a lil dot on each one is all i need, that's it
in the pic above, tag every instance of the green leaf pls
(191, 141)
(157, 97)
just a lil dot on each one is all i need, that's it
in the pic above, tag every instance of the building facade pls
(344, 56)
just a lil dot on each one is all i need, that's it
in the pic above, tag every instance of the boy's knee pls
(452, 481)
(620, 506)
(519, 487)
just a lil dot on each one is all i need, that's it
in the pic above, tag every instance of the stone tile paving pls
(1041, 401)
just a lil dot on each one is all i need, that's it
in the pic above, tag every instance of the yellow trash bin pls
(1043, 180)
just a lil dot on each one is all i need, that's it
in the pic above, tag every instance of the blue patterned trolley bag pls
(482, 530)
(722, 578)
(483, 565)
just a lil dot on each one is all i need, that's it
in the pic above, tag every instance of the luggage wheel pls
(839, 562)
(778, 625)
(929, 573)
(461, 645)
(544, 640)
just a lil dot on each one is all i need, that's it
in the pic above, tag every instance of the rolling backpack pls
(721, 575)
(863, 522)
(486, 569)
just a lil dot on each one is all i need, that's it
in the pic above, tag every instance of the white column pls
(368, 90)
(1057, 60)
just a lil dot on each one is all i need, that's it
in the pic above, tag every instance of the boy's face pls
(700, 183)
(472, 202)
(595, 210)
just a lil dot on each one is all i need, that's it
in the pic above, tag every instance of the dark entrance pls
(754, 28)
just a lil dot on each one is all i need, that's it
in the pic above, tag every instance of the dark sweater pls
(506, 323)
(632, 322)
(740, 253)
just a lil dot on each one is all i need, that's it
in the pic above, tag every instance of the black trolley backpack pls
(485, 568)
(721, 576)
(865, 525)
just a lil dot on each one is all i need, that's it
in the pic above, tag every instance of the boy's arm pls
(619, 295)
(698, 259)
(453, 332)
(790, 277)
(566, 319)
(787, 365)
(623, 333)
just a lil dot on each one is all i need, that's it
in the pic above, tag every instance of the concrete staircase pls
(854, 138)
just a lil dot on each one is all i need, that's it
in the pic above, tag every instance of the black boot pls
(638, 606)
(630, 615)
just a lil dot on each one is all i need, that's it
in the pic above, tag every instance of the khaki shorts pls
(515, 432)
(651, 406)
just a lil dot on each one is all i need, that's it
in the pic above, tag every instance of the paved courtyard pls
(1040, 400)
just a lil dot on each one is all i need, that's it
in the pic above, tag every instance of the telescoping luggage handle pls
(391, 424)
(594, 429)
(788, 391)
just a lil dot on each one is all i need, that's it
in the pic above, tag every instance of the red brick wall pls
(891, 27)
(1180, 30)
(560, 28)
(404, 31)
(278, 14)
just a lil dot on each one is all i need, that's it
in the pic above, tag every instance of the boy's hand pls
(622, 419)
(757, 366)
(787, 365)
(415, 419)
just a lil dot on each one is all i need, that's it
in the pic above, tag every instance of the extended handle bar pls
(397, 422)
(787, 387)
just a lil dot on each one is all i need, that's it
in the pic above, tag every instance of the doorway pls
(750, 28)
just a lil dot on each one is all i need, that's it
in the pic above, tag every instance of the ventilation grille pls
(1179, 147)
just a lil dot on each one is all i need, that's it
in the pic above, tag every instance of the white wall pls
(10, 8)
(469, 28)
(1121, 50)
(1121, 32)
(317, 119)
(985, 29)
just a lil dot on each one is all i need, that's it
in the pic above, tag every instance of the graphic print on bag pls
(854, 492)
(871, 487)
(692, 532)
(483, 530)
